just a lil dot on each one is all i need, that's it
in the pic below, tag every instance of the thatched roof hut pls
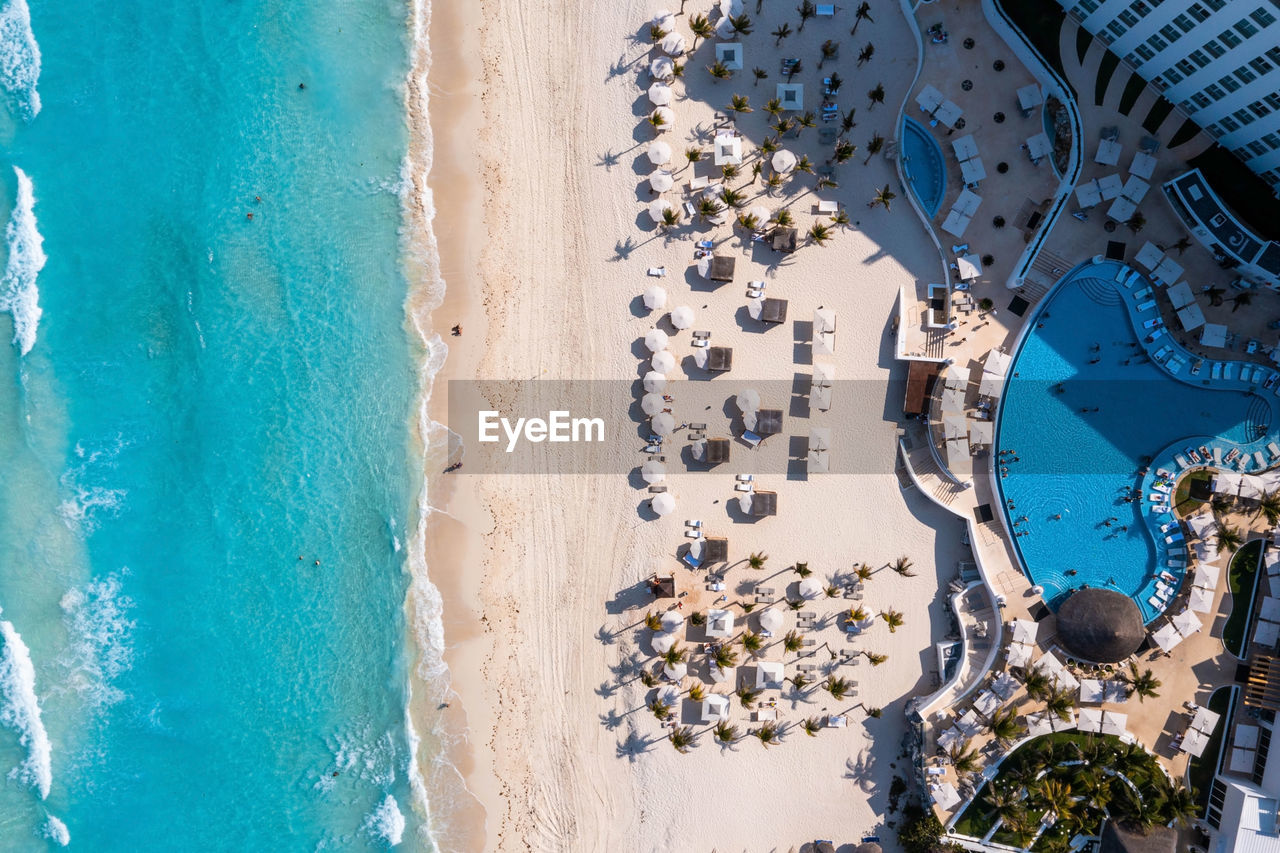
(773, 311)
(719, 359)
(722, 268)
(717, 451)
(1100, 625)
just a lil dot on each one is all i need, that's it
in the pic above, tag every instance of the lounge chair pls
(1152, 323)
(743, 487)
(1181, 460)
(745, 478)
(1146, 306)
(657, 272)
(1273, 449)
(752, 438)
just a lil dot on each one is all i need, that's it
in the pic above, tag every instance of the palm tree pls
(1037, 684)
(653, 621)
(811, 726)
(844, 150)
(1142, 682)
(807, 10)
(865, 54)
(773, 181)
(1005, 725)
(836, 82)
(856, 615)
(1241, 299)
(1061, 703)
(829, 51)
(670, 218)
(660, 709)
(729, 170)
(719, 70)
(697, 693)
(792, 642)
(804, 164)
(748, 696)
(826, 182)
(677, 70)
(806, 119)
(864, 572)
(894, 618)
(874, 146)
(1269, 505)
(741, 24)
(759, 74)
(802, 569)
(752, 642)
(963, 759)
(1228, 538)
(749, 221)
(675, 655)
(876, 95)
(732, 197)
(726, 733)
(682, 738)
(656, 33)
(847, 123)
(768, 733)
(702, 29)
(740, 104)
(1055, 794)
(780, 33)
(781, 126)
(883, 196)
(1006, 806)
(656, 119)
(838, 687)
(863, 14)
(724, 656)
(757, 559)
(756, 168)
(708, 208)
(903, 565)
(1177, 804)
(1137, 222)
(876, 659)
(800, 681)
(819, 233)
(1220, 504)
(692, 155)
(773, 107)
(783, 217)
(648, 679)
(831, 591)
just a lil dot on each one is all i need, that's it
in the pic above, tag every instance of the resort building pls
(1214, 59)
(1214, 225)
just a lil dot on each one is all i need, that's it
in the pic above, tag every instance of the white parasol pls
(663, 423)
(661, 181)
(659, 153)
(660, 94)
(664, 503)
(653, 471)
(654, 381)
(748, 400)
(771, 620)
(655, 339)
(655, 297)
(651, 404)
(810, 588)
(662, 68)
(682, 317)
(672, 620)
(658, 208)
(783, 161)
(663, 362)
(662, 642)
(673, 45)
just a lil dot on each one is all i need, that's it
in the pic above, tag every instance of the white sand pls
(559, 149)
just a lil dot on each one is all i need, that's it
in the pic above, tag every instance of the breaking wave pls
(19, 59)
(18, 293)
(20, 710)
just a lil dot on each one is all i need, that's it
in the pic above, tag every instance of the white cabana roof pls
(1092, 691)
(771, 620)
(661, 181)
(945, 795)
(929, 98)
(1203, 525)
(791, 95)
(1030, 96)
(955, 223)
(1266, 633)
(1019, 654)
(1109, 186)
(655, 339)
(1135, 189)
(968, 267)
(965, 147)
(1191, 317)
(664, 503)
(1025, 631)
(1194, 742)
(986, 703)
(1168, 270)
(728, 149)
(659, 153)
(972, 171)
(1108, 152)
(719, 624)
(1005, 685)
(1167, 637)
(1149, 256)
(715, 708)
(768, 675)
(682, 317)
(1187, 623)
(1114, 723)
(1204, 720)
(824, 320)
(730, 53)
(1180, 295)
(1089, 720)
(1206, 576)
(948, 113)
(949, 737)
(967, 202)
(1088, 194)
(1143, 165)
(1214, 335)
(997, 363)
(1121, 210)
(981, 432)
(1039, 146)
(655, 297)
(1201, 600)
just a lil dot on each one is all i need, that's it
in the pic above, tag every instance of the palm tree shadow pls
(862, 770)
(612, 720)
(605, 636)
(622, 249)
(608, 159)
(633, 745)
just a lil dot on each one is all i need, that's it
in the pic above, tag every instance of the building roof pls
(722, 267)
(1128, 839)
(717, 450)
(663, 587)
(719, 359)
(774, 310)
(1100, 625)
(1199, 207)
(919, 377)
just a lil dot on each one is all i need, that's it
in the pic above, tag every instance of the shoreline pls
(445, 178)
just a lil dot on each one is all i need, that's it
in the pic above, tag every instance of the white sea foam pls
(18, 293)
(86, 502)
(100, 630)
(20, 710)
(56, 831)
(19, 59)
(386, 822)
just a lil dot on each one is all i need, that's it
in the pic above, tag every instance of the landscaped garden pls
(1242, 576)
(1062, 784)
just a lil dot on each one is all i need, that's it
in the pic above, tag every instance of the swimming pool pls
(1065, 495)
(922, 161)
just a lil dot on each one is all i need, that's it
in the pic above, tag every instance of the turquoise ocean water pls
(197, 406)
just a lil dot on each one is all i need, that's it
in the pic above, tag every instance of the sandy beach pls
(541, 630)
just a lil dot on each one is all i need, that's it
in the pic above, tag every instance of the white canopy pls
(672, 620)
(783, 161)
(719, 624)
(1121, 210)
(663, 362)
(1143, 165)
(1109, 186)
(824, 320)
(1191, 317)
(658, 207)
(1149, 256)
(1025, 631)
(1206, 576)
(929, 98)
(1019, 655)
(949, 737)
(662, 68)
(728, 149)
(661, 181)
(1089, 720)
(1167, 637)
(655, 296)
(730, 8)
(1039, 146)
(1180, 295)
(655, 339)
(652, 403)
(768, 675)
(660, 94)
(1194, 743)
(748, 400)
(1088, 195)
(761, 214)
(810, 588)
(659, 153)
(664, 503)
(1030, 96)
(955, 223)
(1214, 335)
(662, 642)
(1108, 152)
(1091, 692)
(1134, 189)
(653, 471)
(1201, 599)
(1187, 623)
(945, 795)
(1205, 720)
(1114, 723)
(654, 381)
(676, 671)
(673, 44)
(1168, 271)
(666, 117)
(664, 19)
(669, 696)
(965, 147)
(715, 708)
(968, 267)
(997, 363)
(682, 317)
(771, 620)
(972, 171)
(949, 113)
(663, 424)
(967, 202)
(1005, 686)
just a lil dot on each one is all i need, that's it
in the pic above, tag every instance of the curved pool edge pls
(937, 158)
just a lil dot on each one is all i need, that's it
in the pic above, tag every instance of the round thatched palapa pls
(1100, 625)
(867, 847)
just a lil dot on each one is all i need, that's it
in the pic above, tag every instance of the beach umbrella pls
(654, 381)
(655, 339)
(730, 8)
(760, 212)
(724, 29)
(655, 296)
(658, 207)
(651, 404)
(664, 20)
(712, 193)
(663, 423)
(659, 94)
(663, 362)
(718, 675)
(682, 317)
(783, 161)
(744, 502)
(676, 671)
(668, 118)
(810, 588)
(704, 267)
(662, 68)
(673, 44)
(662, 642)
(661, 181)
(653, 471)
(672, 621)
(748, 400)
(669, 696)
(771, 621)
(663, 503)
(659, 153)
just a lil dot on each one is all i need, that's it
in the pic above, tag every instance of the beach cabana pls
(1029, 97)
(717, 451)
(1039, 147)
(661, 642)
(986, 703)
(950, 737)
(719, 624)
(1191, 317)
(1213, 335)
(783, 161)
(773, 311)
(945, 795)
(965, 147)
(1114, 723)
(948, 113)
(1005, 685)
(1149, 256)
(715, 708)
(1025, 631)
(658, 208)
(929, 98)
(728, 149)
(1088, 195)
(660, 94)
(784, 239)
(967, 202)
(722, 267)
(655, 297)
(1100, 625)
(730, 53)
(658, 153)
(1108, 152)
(1092, 691)
(1204, 720)
(673, 45)
(791, 95)
(1143, 165)
(972, 171)
(663, 587)
(1135, 189)
(968, 267)
(715, 549)
(1194, 743)
(768, 422)
(771, 620)
(663, 503)
(955, 223)
(1168, 271)
(1089, 720)
(769, 675)
(654, 381)
(1121, 210)
(1180, 295)
(655, 340)
(763, 503)
(1187, 623)
(720, 359)
(661, 181)
(682, 317)
(1109, 186)
(1200, 600)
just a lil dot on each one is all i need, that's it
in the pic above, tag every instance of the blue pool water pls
(197, 408)
(925, 167)
(1080, 465)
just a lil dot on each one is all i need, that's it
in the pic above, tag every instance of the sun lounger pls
(743, 487)
(745, 478)
(692, 534)
(692, 522)
(1156, 603)
(1158, 498)
(1181, 460)
(1161, 488)
(1260, 459)
(1195, 457)
(1228, 372)
(691, 561)
(1216, 371)
(1146, 306)
(1145, 293)
(1160, 509)
(1133, 278)
(752, 438)
(1273, 449)
(1152, 323)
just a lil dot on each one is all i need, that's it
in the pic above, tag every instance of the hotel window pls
(1128, 18)
(1214, 92)
(1244, 117)
(1213, 130)
(1141, 7)
(1256, 148)
(1185, 66)
(1244, 75)
(1116, 29)
(1133, 60)
(1263, 17)
(1170, 32)
(1089, 6)
(1246, 27)
(1157, 42)
(1198, 57)
(1215, 5)
(1273, 100)
(1184, 23)
(1259, 109)
(1168, 78)
(1272, 141)
(1229, 124)
(1229, 38)
(1214, 49)
(1229, 83)
(1144, 51)
(1201, 100)
(1260, 65)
